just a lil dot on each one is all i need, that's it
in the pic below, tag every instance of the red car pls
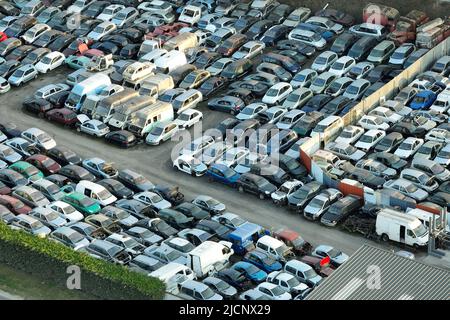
(64, 116)
(3, 36)
(14, 205)
(321, 266)
(4, 189)
(293, 240)
(45, 164)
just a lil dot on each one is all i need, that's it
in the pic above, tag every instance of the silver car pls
(22, 75)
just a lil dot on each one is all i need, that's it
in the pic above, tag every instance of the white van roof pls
(270, 241)
(167, 271)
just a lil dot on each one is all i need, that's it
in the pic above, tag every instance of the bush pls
(57, 255)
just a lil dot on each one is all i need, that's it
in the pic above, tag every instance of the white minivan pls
(96, 192)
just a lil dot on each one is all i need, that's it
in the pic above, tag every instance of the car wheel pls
(385, 237)
(241, 189)
(261, 196)
(176, 168)
(78, 129)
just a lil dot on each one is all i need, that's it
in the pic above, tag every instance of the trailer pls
(432, 33)
(406, 28)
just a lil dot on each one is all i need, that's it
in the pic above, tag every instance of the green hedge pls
(37, 254)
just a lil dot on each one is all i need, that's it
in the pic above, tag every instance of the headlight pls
(42, 235)
(267, 192)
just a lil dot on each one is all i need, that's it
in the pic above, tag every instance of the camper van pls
(146, 118)
(108, 106)
(401, 227)
(173, 274)
(91, 102)
(124, 115)
(425, 216)
(170, 61)
(96, 192)
(92, 85)
(182, 42)
(209, 257)
(156, 85)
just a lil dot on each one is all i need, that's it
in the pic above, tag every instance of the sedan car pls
(22, 75)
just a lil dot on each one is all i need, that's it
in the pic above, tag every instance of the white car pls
(102, 30)
(213, 152)
(408, 147)
(188, 118)
(190, 14)
(443, 156)
(369, 139)
(326, 23)
(272, 291)
(79, 5)
(407, 188)
(162, 132)
(66, 211)
(92, 127)
(251, 111)
(350, 134)
(4, 85)
(155, 6)
(50, 62)
(124, 16)
(308, 37)
(39, 137)
(356, 89)
(289, 119)
(190, 165)
(273, 114)
(153, 55)
(386, 114)
(322, 82)
(360, 70)
(342, 65)
(35, 32)
(372, 122)
(50, 89)
(249, 50)
(317, 207)
(277, 93)
(324, 61)
(109, 12)
(337, 257)
(218, 66)
(232, 156)
(297, 98)
(152, 199)
(438, 134)
(197, 146)
(304, 78)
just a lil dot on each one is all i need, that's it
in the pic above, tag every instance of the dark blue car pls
(327, 35)
(423, 100)
(223, 174)
(263, 261)
(251, 272)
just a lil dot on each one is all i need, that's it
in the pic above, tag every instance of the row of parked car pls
(198, 248)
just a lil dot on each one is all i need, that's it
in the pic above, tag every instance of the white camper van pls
(173, 274)
(147, 118)
(209, 257)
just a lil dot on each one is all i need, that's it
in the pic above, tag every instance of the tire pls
(78, 129)
(262, 196)
(385, 237)
(175, 168)
(416, 246)
(241, 189)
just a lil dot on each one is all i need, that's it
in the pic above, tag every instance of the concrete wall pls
(434, 8)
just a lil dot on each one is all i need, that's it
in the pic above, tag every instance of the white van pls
(95, 192)
(425, 216)
(190, 14)
(92, 85)
(148, 46)
(209, 257)
(182, 42)
(332, 125)
(275, 248)
(147, 118)
(170, 61)
(156, 84)
(326, 157)
(401, 227)
(108, 106)
(125, 114)
(173, 274)
(187, 100)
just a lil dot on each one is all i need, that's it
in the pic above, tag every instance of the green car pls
(77, 62)
(82, 203)
(26, 169)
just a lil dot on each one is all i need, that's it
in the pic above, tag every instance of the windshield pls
(281, 250)
(75, 237)
(51, 216)
(366, 138)
(86, 202)
(277, 291)
(207, 293)
(352, 89)
(46, 60)
(272, 93)
(319, 82)
(316, 203)
(321, 60)
(420, 231)
(293, 282)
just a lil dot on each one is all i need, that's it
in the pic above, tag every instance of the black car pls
(366, 177)
(441, 198)
(59, 21)
(389, 142)
(343, 43)
(389, 159)
(408, 129)
(282, 141)
(158, 226)
(243, 24)
(180, 73)
(95, 8)
(61, 42)
(234, 278)
(106, 47)
(116, 188)
(64, 156)
(116, 75)
(274, 174)
(47, 38)
(258, 28)
(360, 49)
(215, 228)
(76, 173)
(283, 61)
(176, 219)
(7, 68)
(299, 47)
(294, 55)
(129, 51)
(275, 34)
(257, 88)
(34, 56)
(86, 26)
(136, 208)
(292, 166)
(133, 34)
(119, 40)
(280, 12)
(191, 210)
(244, 94)
(373, 88)
(10, 130)
(307, 123)
(135, 181)
(341, 209)
(206, 59)
(12, 178)
(226, 125)
(20, 26)
(317, 102)
(212, 85)
(253, 183)
(58, 99)
(335, 106)
(121, 138)
(37, 106)
(416, 55)
(298, 200)
(171, 194)
(380, 73)
(20, 53)
(8, 9)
